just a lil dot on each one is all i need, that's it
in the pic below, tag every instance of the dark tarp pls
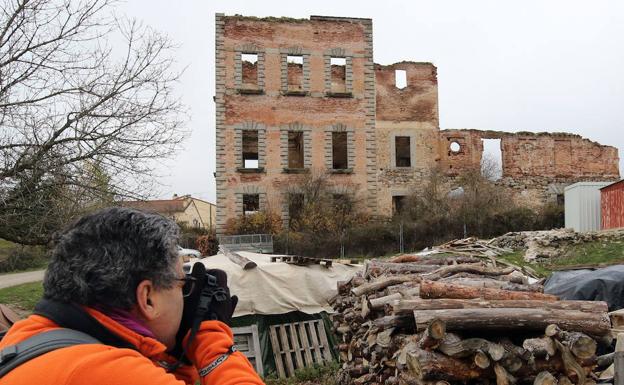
(606, 284)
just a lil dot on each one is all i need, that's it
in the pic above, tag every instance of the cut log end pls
(545, 378)
(481, 360)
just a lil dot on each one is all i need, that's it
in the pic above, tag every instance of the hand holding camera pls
(206, 297)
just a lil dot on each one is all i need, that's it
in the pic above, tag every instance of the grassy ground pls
(22, 297)
(596, 254)
(325, 375)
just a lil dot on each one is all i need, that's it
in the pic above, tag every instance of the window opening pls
(295, 149)
(251, 203)
(250, 149)
(294, 66)
(402, 151)
(492, 159)
(338, 74)
(398, 203)
(339, 151)
(250, 70)
(400, 79)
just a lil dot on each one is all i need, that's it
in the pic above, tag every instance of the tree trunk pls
(540, 347)
(470, 346)
(514, 318)
(238, 259)
(581, 345)
(502, 377)
(382, 283)
(406, 306)
(433, 335)
(545, 378)
(429, 289)
(475, 268)
(377, 268)
(379, 303)
(429, 365)
(490, 283)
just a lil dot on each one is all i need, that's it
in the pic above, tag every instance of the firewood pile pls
(473, 246)
(456, 320)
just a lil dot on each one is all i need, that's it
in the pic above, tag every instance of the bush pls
(552, 216)
(190, 234)
(262, 222)
(23, 258)
(207, 244)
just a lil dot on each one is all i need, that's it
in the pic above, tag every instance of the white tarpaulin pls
(278, 287)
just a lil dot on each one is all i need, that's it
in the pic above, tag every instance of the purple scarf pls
(127, 319)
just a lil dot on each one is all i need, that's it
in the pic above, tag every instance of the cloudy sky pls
(511, 66)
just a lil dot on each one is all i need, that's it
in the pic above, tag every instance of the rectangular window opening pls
(398, 204)
(251, 203)
(250, 70)
(295, 72)
(295, 149)
(338, 74)
(250, 149)
(400, 79)
(295, 208)
(340, 159)
(402, 151)
(492, 159)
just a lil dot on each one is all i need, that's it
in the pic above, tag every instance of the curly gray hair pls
(103, 256)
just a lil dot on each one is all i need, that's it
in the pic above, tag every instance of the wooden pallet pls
(299, 344)
(247, 341)
(302, 261)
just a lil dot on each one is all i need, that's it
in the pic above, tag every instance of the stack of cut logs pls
(454, 320)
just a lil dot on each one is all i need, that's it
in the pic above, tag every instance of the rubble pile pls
(463, 319)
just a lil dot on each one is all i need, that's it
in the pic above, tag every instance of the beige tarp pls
(278, 287)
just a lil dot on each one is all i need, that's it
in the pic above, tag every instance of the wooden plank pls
(315, 342)
(279, 363)
(324, 341)
(307, 351)
(294, 342)
(257, 350)
(618, 361)
(286, 349)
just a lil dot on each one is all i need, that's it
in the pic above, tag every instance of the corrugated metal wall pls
(612, 206)
(582, 206)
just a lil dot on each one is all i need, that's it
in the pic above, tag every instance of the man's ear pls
(145, 300)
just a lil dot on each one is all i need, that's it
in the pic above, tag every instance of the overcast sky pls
(502, 65)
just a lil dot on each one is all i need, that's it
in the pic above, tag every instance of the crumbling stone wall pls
(411, 112)
(370, 111)
(273, 108)
(536, 166)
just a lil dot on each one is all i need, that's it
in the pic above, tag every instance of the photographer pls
(115, 276)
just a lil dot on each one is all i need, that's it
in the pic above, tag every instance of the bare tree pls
(86, 107)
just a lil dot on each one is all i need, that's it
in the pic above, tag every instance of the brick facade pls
(362, 100)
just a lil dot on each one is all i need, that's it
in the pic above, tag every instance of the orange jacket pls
(96, 364)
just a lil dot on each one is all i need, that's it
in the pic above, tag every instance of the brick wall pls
(274, 110)
(371, 110)
(411, 112)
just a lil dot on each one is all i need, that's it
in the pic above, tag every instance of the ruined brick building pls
(295, 96)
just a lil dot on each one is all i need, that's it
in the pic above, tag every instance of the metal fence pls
(259, 243)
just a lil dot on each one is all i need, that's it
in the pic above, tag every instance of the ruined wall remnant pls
(407, 128)
(537, 166)
(302, 96)
(417, 102)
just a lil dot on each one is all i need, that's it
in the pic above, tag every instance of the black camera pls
(206, 297)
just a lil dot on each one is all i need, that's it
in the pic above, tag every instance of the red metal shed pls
(612, 206)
